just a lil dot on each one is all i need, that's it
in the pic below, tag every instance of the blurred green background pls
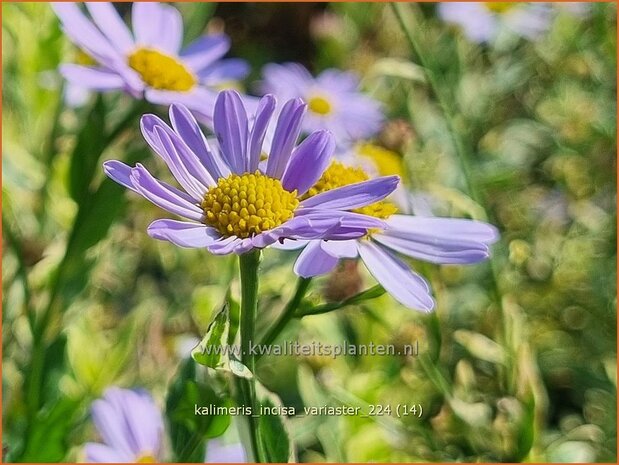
(524, 370)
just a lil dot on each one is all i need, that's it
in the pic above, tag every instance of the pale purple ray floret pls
(430, 239)
(130, 425)
(200, 169)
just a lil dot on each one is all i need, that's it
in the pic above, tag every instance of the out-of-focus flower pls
(132, 429)
(431, 239)
(217, 452)
(236, 205)
(333, 98)
(481, 21)
(130, 425)
(147, 63)
(386, 162)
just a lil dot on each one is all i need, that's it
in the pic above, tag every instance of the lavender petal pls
(308, 162)
(354, 195)
(314, 261)
(231, 128)
(286, 134)
(109, 22)
(100, 453)
(189, 131)
(205, 51)
(266, 107)
(404, 285)
(183, 234)
(164, 196)
(120, 173)
(92, 78)
(340, 249)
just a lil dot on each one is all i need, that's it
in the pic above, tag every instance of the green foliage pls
(189, 432)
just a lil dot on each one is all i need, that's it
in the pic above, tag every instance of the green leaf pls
(326, 430)
(91, 141)
(480, 346)
(95, 215)
(188, 430)
(371, 293)
(212, 350)
(48, 439)
(273, 436)
(368, 294)
(235, 314)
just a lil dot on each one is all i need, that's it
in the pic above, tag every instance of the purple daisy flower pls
(481, 21)
(333, 98)
(431, 239)
(130, 425)
(234, 204)
(147, 63)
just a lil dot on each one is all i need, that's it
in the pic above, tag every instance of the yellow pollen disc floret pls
(387, 162)
(248, 204)
(84, 59)
(147, 458)
(500, 7)
(161, 71)
(319, 105)
(339, 175)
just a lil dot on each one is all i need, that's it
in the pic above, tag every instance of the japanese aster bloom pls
(333, 98)
(431, 239)
(147, 62)
(234, 204)
(481, 21)
(130, 425)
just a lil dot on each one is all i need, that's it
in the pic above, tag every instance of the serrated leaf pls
(187, 431)
(237, 368)
(212, 350)
(273, 435)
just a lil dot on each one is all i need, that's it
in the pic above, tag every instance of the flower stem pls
(442, 99)
(248, 266)
(303, 285)
(371, 293)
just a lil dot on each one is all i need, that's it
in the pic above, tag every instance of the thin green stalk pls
(248, 266)
(22, 271)
(442, 99)
(303, 285)
(371, 293)
(462, 147)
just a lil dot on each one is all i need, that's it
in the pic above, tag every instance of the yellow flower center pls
(387, 162)
(161, 71)
(500, 7)
(339, 175)
(319, 105)
(248, 204)
(147, 458)
(84, 59)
